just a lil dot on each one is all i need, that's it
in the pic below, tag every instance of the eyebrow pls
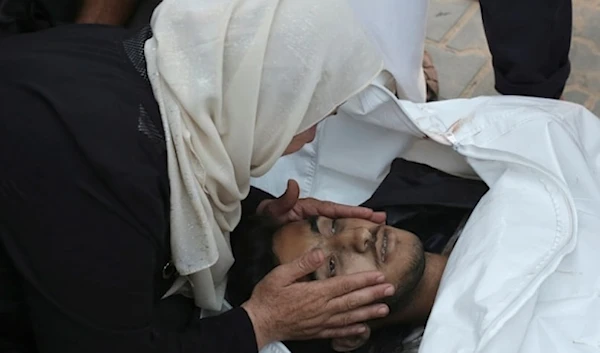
(313, 221)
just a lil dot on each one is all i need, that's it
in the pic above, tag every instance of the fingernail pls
(380, 278)
(389, 291)
(361, 329)
(383, 310)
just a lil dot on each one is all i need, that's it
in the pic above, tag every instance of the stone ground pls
(456, 41)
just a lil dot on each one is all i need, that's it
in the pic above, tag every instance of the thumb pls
(291, 195)
(301, 267)
(284, 203)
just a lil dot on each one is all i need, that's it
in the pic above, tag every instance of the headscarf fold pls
(235, 81)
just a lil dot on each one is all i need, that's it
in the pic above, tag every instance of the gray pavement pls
(457, 44)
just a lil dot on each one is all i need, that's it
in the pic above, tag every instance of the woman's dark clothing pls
(84, 204)
(530, 42)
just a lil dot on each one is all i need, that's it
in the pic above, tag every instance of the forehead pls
(293, 240)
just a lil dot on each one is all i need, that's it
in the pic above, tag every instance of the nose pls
(363, 240)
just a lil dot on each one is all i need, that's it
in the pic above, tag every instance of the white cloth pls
(525, 275)
(235, 81)
(397, 27)
(323, 173)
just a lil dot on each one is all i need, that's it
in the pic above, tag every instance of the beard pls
(409, 281)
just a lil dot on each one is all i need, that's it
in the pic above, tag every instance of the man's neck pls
(417, 310)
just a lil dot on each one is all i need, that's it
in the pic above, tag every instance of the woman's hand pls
(289, 208)
(281, 308)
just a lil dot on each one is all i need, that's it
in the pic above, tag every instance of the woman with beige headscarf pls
(125, 158)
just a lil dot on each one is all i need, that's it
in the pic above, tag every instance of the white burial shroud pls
(525, 274)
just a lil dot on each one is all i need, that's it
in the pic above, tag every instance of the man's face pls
(355, 245)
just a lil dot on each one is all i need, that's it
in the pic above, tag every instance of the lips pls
(384, 247)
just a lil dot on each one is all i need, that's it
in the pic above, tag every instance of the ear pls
(350, 343)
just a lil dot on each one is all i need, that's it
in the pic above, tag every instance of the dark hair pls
(252, 245)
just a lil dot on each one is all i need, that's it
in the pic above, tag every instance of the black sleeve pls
(230, 332)
(88, 276)
(88, 241)
(530, 42)
(71, 314)
(254, 198)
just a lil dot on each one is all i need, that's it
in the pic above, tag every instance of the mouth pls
(384, 247)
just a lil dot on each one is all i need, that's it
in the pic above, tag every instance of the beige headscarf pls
(235, 81)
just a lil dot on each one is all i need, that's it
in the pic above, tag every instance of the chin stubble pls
(407, 287)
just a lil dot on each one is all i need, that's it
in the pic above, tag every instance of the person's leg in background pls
(530, 42)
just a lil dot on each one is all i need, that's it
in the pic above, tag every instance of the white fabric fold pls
(523, 276)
